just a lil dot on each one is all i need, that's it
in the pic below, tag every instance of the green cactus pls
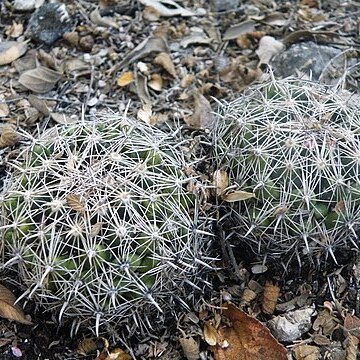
(296, 145)
(100, 223)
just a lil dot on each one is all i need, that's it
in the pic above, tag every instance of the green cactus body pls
(296, 145)
(100, 221)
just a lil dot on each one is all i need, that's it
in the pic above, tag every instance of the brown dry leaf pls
(15, 30)
(10, 311)
(89, 345)
(246, 339)
(325, 322)
(220, 180)
(210, 333)
(39, 104)
(75, 203)
(237, 195)
(145, 113)
(203, 117)
(164, 60)
(39, 80)
(306, 352)
(247, 297)
(270, 297)
(114, 354)
(174, 8)
(5, 342)
(190, 348)
(302, 35)
(4, 108)
(239, 29)
(151, 14)
(125, 78)
(352, 344)
(11, 50)
(352, 324)
(268, 47)
(62, 118)
(8, 135)
(156, 82)
(148, 46)
(187, 80)
(97, 19)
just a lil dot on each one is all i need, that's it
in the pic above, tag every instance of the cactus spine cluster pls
(98, 220)
(296, 145)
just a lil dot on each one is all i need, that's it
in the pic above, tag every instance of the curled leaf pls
(174, 8)
(125, 78)
(220, 181)
(238, 195)
(210, 332)
(39, 80)
(164, 60)
(75, 203)
(10, 311)
(11, 50)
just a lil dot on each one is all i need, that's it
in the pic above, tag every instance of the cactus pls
(296, 145)
(98, 220)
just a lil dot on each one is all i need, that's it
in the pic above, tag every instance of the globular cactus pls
(296, 146)
(101, 226)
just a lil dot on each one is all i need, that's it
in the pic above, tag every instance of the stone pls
(224, 5)
(49, 23)
(292, 325)
(27, 5)
(315, 61)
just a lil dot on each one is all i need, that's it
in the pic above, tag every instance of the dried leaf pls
(164, 60)
(302, 35)
(8, 135)
(141, 88)
(246, 339)
(220, 180)
(270, 297)
(39, 80)
(75, 203)
(10, 311)
(39, 104)
(61, 118)
(148, 46)
(97, 19)
(174, 8)
(268, 47)
(352, 345)
(190, 347)
(125, 78)
(15, 30)
(89, 345)
(202, 117)
(237, 195)
(306, 352)
(195, 38)
(11, 50)
(151, 14)
(239, 29)
(156, 82)
(145, 113)
(114, 354)
(210, 332)
(4, 108)
(187, 80)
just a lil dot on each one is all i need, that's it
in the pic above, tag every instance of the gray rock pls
(224, 5)
(49, 23)
(310, 59)
(27, 5)
(292, 325)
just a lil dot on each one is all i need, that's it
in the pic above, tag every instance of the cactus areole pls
(296, 145)
(97, 219)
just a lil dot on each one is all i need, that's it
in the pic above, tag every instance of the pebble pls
(292, 325)
(49, 23)
(224, 5)
(27, 5)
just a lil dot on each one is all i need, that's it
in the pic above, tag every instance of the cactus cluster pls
(296, 145)
(98, 220)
